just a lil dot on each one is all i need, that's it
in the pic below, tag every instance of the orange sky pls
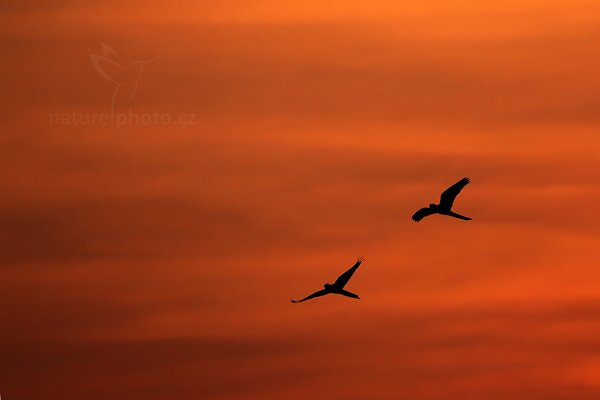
(156, 261)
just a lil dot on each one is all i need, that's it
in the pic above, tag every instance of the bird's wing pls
(345, 277)
(312, 296)
(447, 198)
(422, 213)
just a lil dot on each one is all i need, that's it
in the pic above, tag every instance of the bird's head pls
(327, 286)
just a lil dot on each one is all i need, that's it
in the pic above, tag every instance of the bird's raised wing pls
(447, 198)
(312, 296)
(422, 213)
(345, 277)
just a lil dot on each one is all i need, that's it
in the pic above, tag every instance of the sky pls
(160, 209)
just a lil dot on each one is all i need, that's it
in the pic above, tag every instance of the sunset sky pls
(156, 260)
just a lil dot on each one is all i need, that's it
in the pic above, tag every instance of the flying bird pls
(446, 201)
(337, 287)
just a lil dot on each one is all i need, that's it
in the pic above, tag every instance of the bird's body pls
(333, 289)
(337, 287)
(445, 205)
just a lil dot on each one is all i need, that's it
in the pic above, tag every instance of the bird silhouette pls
(337, 287)
(446, 201)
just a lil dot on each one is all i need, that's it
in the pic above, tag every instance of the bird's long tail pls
(455, 215)
(349, 294)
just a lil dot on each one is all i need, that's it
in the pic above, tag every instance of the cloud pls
(158, 261)
(488, 349)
